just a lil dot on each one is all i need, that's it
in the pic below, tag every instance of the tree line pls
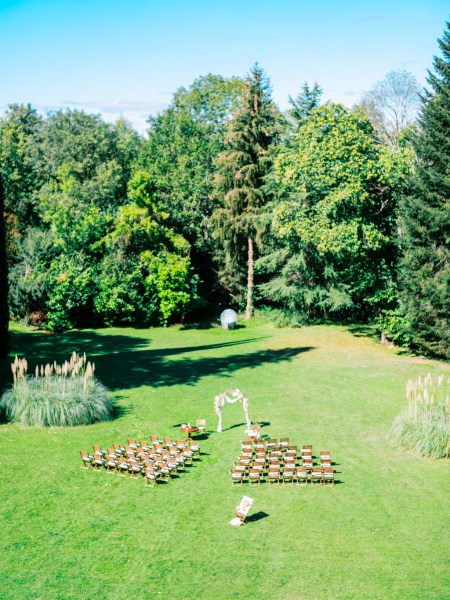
(318, 214)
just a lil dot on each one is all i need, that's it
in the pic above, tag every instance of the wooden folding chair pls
(201, 424)
(135, 468)
(244, 508)
(272, 443)
(273, 475)
(316, 476)
(260, 459)
(284, 442)
(99, 461)
(289, 462)
(123, 467)
(325, 458)
(240, 466)
(195, 448)
(133, 443)
(151, 476)
(188, 456)
(288, 476)
(112, 462)
(144, 445)
(86, 460)
(163, 469)
(158, 448)
(247, 446)
(236, 477)
(98, 450)
(259, 466)
(328, 476)
(255, 432)
(307, 463)
(245, 459)
(254, 476)
(118, 449)
(301, 474)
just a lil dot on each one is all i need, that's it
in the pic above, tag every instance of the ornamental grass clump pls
(56, 395)
(424, 425)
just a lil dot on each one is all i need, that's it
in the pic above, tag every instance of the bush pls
(57, 396)
(424, 425)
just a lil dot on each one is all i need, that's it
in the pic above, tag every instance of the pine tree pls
(304, 103)
(4, 313)
(240, 184)
(425, 218)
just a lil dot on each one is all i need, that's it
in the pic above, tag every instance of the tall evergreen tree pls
(240, 183)
(304, 103)
(425, 226)
(4, 313)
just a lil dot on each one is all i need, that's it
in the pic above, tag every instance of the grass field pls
(381, 532)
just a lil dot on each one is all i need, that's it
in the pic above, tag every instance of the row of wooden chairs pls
(278, 462)
(158, 460)
(286, 454)
(298, 475)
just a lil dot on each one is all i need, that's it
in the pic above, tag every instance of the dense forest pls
(318, 214)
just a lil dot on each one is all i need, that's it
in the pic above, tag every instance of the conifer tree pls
(305, 102)
(425, 217)
(240, 184)
(4, 313)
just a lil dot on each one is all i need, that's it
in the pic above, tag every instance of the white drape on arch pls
(230, 396)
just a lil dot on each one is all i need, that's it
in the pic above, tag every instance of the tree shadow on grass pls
(127, 362)
(363, 331)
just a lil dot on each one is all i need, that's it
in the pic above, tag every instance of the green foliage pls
(71, 292)
(93, 157)
(20, 132)
(170, 277)
(4, 307)
(425, 219)
(177, 159)
(424, 426)
(29, 275)
(145, 275)
(334, 228)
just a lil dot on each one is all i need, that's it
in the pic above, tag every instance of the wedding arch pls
(231, 396)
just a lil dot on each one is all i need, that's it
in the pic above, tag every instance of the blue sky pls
(122, 58)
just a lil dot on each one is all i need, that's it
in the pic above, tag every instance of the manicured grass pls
(379, 533)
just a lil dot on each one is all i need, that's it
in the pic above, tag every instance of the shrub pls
(424, 425)
(57, 395)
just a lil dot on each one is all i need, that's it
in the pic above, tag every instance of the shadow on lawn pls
(256, 517)
(126, 362)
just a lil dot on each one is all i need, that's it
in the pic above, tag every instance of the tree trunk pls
(4, 312)
(249, 308)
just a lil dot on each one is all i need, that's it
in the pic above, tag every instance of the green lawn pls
(379, 533)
